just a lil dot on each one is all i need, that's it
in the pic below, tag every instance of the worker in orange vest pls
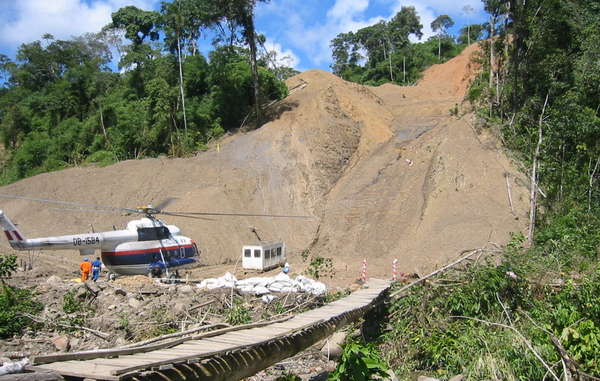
(86, 268)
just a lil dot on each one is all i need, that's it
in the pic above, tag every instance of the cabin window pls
(256, 253)
(279, 251)
(153, 234)
(247, 253)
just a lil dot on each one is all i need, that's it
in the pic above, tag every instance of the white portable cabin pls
(263, 256)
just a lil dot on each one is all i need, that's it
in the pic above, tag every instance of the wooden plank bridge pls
(224, 354)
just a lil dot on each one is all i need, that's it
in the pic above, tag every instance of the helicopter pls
(147, 246)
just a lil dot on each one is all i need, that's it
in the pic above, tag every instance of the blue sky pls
(298, 29)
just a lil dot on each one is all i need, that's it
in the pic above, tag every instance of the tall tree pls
(440, 25)
(468, 10)
(239, 14)
(138, 25)
(495, 8)
(470, 33)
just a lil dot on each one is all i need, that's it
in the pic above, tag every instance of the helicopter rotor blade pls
(84, 210)
(236, 214)
(156, 210)
(186, 216)
(164, 203)
(68, 203)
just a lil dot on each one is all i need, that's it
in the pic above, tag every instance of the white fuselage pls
(145, 243)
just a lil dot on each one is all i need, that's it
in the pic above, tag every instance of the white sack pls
(13, 367)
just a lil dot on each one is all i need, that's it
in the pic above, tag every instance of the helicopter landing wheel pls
(173, 278)
(155, 272)
(111, 276)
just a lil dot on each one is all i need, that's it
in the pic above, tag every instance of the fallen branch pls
(100, 334)
(523, 338)
(292, 309)
(15, 355)
(504, 309)
(569, 361)
(176, 334)
(510, 201)
(565, 358)
(471, 253)
(201, 305)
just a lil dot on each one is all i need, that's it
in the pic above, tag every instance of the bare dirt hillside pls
(386, 172)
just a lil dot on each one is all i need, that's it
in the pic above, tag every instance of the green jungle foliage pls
(383, 53)
(512, 315)
(14, 302)
(62, 105)
(545, 79)
(481, 322)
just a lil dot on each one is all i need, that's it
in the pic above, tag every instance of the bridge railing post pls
(363, 273)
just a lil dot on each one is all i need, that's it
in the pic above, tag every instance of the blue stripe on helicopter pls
(149, 256)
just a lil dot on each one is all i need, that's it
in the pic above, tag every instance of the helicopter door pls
(182, 252)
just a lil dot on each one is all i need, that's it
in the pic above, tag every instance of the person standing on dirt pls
(96, 267)
(86, 268)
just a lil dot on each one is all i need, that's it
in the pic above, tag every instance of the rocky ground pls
(81, 316)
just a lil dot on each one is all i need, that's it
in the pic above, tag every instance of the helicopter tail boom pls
(14, 236)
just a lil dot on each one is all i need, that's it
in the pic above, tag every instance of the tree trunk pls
(469, 34)
(439, 47)
(102, 124)
(388, 55)
(592, 174)
(252, 42)
(194, 47)
(181, 85)
(492, 22)
(491, 82)
(534, 182)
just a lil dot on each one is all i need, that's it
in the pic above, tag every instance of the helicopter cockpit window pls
(256, 253)
(153, 234)
(247, 253)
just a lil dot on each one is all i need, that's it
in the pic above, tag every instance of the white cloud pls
(28, 20)
(344, 16)
(345, 8)
(283, 57)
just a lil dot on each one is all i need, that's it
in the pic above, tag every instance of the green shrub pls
(14, 303)
(359, 362)
(318, 266)
(101, 158)
(238, 314)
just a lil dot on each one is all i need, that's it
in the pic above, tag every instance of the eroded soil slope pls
(386, 172)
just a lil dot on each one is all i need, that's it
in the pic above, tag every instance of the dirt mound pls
(386, 172)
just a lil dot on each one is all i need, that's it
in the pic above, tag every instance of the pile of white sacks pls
(263, 286)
